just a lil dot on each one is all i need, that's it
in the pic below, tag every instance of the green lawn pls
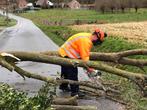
(59, 34)
(69, 16)
(3, 22)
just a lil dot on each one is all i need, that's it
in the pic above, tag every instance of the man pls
(78, 46)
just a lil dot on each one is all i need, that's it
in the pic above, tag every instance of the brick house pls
(13, 4)
(74, 4)
(21, 3)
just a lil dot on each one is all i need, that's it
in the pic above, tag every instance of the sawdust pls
(131, 31)
(1, 29)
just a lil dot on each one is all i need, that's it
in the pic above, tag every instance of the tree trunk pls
(26, 56)
(139, 78)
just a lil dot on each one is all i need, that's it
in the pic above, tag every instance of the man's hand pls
(91, 72)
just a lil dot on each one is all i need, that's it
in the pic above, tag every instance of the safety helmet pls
(100, 34)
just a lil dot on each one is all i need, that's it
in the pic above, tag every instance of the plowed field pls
(131, 31)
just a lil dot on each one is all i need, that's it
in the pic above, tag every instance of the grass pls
(69, 16)
(129, 90)
(3, 22)
(59, 34)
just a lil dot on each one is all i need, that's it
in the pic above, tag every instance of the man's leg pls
(73, 75)
(64, 75)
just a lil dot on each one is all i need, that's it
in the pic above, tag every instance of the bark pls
(67, 107)
(9, 66)
(92, 91)
(65, 101)
(6, 64)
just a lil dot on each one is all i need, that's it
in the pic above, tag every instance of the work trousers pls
(71, 73)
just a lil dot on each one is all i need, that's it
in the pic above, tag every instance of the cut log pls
(67, 107)
(65, 101)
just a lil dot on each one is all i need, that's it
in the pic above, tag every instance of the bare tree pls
(122, 5)
(144, 4)
(137, 4)
(111, 5)
(101, 5)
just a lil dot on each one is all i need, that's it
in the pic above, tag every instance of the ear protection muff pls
(98, 34)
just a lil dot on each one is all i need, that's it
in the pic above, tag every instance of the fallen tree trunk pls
(67, 107)
(26, 56)
(138, 78)
(118, 57)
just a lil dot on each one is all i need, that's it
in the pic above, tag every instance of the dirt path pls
(132, 31)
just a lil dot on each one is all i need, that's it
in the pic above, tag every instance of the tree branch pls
(67, 107)
(45, 58)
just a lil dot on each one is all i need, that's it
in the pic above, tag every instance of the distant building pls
(13, 4)
(74, 4)
(22, 3)
(44, 3)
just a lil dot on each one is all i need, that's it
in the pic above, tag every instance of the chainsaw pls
(95, 77)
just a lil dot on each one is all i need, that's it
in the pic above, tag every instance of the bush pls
(11, 99)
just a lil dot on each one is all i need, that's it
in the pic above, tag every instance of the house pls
(74, 4)
(44, 3)
(3, 4)
(22, 3)
(13, 4)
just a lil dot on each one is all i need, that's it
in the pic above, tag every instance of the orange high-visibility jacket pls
(77, 46)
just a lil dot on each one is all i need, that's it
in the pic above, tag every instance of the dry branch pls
(67, 107)
(6, 64)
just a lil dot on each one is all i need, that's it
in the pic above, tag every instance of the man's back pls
(77, 46)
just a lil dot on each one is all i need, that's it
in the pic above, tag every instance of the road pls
(25, 36)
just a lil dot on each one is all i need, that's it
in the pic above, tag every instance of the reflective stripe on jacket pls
(77, 46)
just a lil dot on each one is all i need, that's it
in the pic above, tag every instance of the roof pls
(41, 2)
(73, 1)
(74, 4)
